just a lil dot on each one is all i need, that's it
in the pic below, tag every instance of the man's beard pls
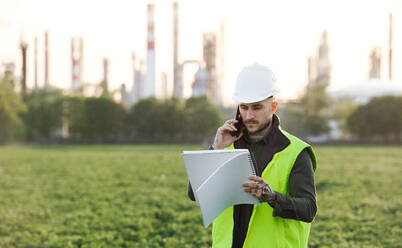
(260, 128)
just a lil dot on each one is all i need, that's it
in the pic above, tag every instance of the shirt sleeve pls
(190, 192)
(301, 204)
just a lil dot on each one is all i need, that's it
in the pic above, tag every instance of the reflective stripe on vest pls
(264, 230)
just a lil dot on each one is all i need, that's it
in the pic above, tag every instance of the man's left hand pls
(259, 188)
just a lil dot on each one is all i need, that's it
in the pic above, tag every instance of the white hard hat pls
(255, 83)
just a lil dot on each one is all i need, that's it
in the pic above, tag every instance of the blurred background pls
(71, 68)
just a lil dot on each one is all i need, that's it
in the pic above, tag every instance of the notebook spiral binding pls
(253, 163)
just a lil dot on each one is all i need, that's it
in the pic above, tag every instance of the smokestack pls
(24, 48)
(124, 96)
(36, 63)
(76, 59)
(222, 64)
(46, 60)
(390, 49)
(134, 91)
(105, 76)
(81, 60)
(137, 78)
(310, 77)
(164, 85)
(209, 57)
(375, 63)
(149, 87)
(177, 84)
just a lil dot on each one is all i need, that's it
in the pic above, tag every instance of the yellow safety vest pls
(264, 230)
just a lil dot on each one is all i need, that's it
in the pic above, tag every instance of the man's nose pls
(249, 115)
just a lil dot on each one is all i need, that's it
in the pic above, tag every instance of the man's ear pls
(274, 106)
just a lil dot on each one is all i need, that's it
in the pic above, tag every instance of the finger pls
(232, 127)
(231, 121)
(238, 137)
(229, 127)
(250, 185)
(254, 178)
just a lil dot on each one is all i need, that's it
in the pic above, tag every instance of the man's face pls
(258, 115)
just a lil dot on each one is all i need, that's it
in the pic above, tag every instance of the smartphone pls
(239, 125)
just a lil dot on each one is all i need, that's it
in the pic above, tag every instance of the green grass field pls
(135, 196)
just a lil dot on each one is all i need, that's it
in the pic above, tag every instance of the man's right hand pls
(223, 137)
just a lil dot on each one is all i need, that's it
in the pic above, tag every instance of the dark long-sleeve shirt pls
(300, 205)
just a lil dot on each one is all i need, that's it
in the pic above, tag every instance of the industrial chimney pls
(390, 49)
(149, 87)
(36, 63)
(24, 48)
(46, 60)
(105, 82)
(77, 48)
(177, 82)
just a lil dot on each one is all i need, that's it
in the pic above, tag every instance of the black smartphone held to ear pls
(239, 125)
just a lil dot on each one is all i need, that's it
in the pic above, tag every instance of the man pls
(285, 172)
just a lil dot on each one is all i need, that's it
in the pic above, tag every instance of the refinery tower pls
(149, 86)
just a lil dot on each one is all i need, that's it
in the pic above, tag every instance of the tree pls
(43, 119)
(308, 115)
(204, 118)
(74, 117)
(11, 106)
(342, 109)
(152, 120)
(292, 116)
(315, 106)
(101, 120)
(379, 119)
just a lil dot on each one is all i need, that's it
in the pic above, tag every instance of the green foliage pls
(100, 119)
(172, 121)
(74, 115)
(315, 105)
(44, 114)
(135, 196)
(343, 108)
(308, 115)
(11, 106)
(292, 116)
(379, 119)
(157, 121)
(203, 118)
(52, 116)
(89, 119)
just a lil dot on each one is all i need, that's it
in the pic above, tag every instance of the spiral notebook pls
(216, 177)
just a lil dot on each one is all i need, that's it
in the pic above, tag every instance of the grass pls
(135, 196)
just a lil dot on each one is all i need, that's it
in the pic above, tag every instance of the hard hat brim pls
(243, 99)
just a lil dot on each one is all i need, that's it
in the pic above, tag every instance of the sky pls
(279, 34)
